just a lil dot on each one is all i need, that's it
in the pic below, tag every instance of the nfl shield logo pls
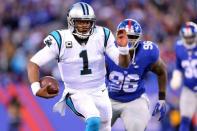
(68, 44)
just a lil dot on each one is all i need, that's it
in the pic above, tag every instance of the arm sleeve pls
(176, 80)
(177, 54)
(43, 56)
(178, 63)
(111, 50)
(49, 52)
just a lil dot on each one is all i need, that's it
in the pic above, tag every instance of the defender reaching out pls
(126, 85)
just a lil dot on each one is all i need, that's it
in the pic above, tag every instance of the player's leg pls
(188, 107)
(93, 124)
(116, 110)
(82, 105)
(136, 115)
(103, 104)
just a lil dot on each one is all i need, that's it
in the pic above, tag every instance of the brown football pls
(49, 80)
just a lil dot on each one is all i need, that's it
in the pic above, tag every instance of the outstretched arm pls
(160, 70)
(176, 80)
(122, 41)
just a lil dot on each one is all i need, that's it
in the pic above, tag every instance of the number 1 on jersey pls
(85, 70)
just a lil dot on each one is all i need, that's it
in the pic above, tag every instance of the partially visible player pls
(126, 85)
(186, 73)
(79, 51)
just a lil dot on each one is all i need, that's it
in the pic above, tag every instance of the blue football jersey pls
(186, 62)
(127, 84)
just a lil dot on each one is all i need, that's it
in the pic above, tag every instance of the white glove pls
(176, 80)
(160, 110)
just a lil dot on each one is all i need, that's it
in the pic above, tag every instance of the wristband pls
(35, 86)
(162, 95)
(123, 50)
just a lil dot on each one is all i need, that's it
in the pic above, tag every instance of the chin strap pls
(134, 53)
(133, 58)
(81, 36)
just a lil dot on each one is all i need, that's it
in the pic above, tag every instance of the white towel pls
(60, 106)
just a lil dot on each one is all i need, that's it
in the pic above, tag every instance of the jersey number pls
(190, 68)
(85, 70)
(148, 45)
(127, 83)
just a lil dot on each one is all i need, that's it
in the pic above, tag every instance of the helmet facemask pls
(133, 40)
(83, 28)
(190, 40)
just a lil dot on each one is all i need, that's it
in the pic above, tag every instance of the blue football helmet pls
(188, 33)
(133, 30)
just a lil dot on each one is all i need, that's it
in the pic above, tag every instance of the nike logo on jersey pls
(68, 44)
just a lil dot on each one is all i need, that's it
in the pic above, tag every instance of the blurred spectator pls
(14, 114)
(24, 24)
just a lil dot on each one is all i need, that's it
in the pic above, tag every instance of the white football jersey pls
(80, 65)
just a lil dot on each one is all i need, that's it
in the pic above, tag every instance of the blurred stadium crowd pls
(24, 24)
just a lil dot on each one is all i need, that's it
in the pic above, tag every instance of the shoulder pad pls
(106, 34)
(56, 35)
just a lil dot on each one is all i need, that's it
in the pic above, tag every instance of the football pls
(49, 80)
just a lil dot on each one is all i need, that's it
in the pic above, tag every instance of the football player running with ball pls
(186, 73)
(79, 51)
(126, 85)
